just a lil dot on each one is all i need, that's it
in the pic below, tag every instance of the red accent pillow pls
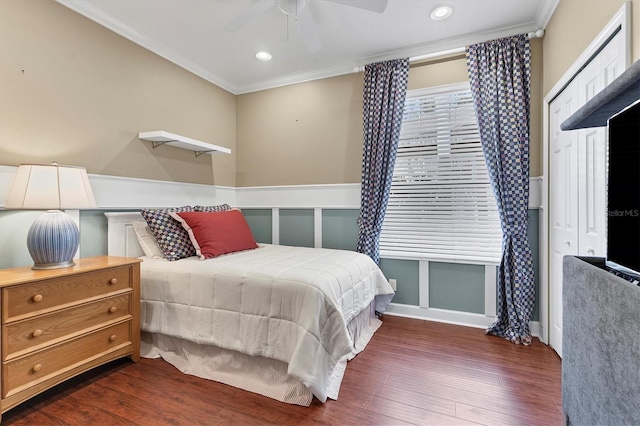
(216, 233)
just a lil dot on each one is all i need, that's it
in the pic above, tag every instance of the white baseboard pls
(449, 317)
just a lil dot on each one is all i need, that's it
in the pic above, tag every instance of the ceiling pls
(191, 34)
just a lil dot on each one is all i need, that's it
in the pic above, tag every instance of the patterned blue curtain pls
(499, 73)
(385, 88)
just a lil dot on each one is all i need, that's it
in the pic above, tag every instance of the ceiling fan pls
(299, 10)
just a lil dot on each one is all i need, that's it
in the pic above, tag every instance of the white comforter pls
(287, 303)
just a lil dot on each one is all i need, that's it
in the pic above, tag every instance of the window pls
(441, 205)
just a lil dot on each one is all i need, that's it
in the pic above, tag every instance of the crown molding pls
(98, 15)
(545, 12)
(416, 50)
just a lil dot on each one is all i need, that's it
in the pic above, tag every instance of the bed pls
(275, 320)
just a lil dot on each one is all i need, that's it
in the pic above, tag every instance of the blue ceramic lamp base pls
(53, 240)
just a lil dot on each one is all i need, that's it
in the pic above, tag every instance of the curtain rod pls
(533, 34)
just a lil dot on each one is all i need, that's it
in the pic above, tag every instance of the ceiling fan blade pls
(308, 30)
(377, 6)
(248, 15)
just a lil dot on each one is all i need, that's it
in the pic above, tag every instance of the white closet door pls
(592, 159)
(563, 204)
(591, 170)
(577, 177)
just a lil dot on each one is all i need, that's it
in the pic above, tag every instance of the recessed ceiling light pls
(263, 56)
(441, 12)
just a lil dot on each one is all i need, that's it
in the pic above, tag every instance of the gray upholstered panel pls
(600, 345)
(622, 92)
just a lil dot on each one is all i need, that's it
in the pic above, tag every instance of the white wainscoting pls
(335, 196)
(113, 192)
(329, 196)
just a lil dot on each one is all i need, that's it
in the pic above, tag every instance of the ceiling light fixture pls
(440, 13)
(263, 56)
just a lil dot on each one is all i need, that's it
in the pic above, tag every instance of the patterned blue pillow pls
(171, 236)
(220, 208)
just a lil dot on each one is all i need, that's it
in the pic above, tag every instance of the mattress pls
(289, 304)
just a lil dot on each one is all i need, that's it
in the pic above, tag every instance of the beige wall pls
(289, 135)
(438, 72)
(77, 93)
(311, 133)
(573, 26)
(307, 133)
(535, 111)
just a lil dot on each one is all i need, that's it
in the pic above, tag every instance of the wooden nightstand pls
(59, 323)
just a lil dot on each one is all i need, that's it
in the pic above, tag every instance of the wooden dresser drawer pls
(23, 336)
(58, 323)
(29, 370)
(30, 299)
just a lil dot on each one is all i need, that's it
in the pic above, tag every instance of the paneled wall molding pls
(490, 290)
(423, 283)
(275, 226)
(433, 258)
(535, 192)
(490, 282)
(450, 317)
(115, 192)
(333, 196)
(317, 227)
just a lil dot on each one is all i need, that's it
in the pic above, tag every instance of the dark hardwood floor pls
(412, 372)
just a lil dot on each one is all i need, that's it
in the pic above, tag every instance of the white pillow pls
(147, 241)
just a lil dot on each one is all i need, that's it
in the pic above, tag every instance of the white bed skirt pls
(256, 374)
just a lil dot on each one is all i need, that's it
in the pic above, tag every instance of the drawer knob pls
(37, 298)
(113, 309)
(37, 333)
(112, 338)
(37, 367)
(113, 281)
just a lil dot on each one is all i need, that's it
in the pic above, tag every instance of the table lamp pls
(53, 238)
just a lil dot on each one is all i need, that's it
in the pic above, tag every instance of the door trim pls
(621, 21)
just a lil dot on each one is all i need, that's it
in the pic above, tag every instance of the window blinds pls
(441, 205)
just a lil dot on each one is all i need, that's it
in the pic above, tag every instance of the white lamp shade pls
(51, 187)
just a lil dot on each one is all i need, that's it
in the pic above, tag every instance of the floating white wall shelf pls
(160, 137)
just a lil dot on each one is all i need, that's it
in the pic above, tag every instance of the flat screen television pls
(623, 193)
